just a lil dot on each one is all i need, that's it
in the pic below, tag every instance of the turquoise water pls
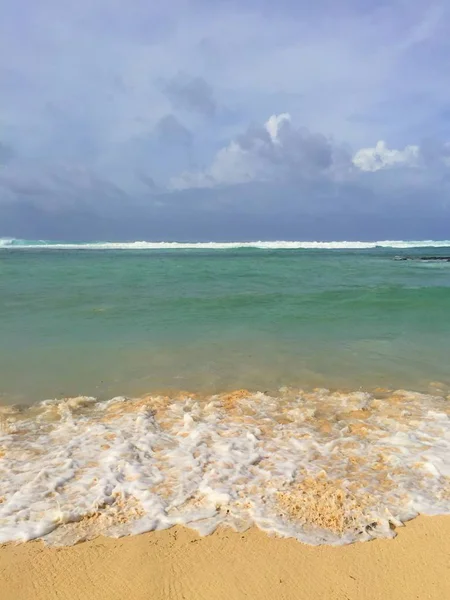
(111, 322)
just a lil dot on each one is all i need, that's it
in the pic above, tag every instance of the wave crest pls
(13, 243)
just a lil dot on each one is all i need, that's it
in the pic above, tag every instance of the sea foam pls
(322, 467)
(11, 243)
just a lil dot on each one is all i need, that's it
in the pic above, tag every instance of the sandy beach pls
(176, 563)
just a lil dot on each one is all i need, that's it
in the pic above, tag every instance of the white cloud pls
(276, 151)
(280, 152)
(273, 125)
(382, 157)
(231, 165)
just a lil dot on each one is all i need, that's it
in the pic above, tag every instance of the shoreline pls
(177, 563)
(321, 467)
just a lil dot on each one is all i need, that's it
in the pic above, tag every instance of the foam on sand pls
(321, 467)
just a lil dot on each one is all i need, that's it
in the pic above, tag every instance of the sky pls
(225, 120)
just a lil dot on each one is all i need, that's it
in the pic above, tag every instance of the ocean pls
(299, 386)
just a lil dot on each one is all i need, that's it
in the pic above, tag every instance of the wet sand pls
(177, 564)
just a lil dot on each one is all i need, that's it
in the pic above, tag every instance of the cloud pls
(57, 188)
(6, 154)
(170, 130)
(435, 153)
(87, 80)
(381, 157)
(431, 156)
(148, 181)
(191, 94)
(275, 124)
(369, 208)
(107, 112)
(276, 151)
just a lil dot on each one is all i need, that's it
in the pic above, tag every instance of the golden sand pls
(177, 564)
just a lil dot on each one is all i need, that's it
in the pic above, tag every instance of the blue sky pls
(225, 119)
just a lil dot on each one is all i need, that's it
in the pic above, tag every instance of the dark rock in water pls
(424, 258)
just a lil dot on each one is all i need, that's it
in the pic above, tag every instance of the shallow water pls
(114, 322)
(95, 436)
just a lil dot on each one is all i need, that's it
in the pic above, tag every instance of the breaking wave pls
(13, 243)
